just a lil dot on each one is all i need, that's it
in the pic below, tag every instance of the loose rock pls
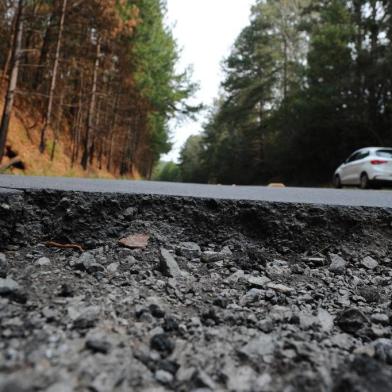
(369, 263)
(168, 264)
(258, 281)
(98, 346)
(11, 289)
(162, 343)
(3, 266)
(352, 320)
(190, 250)
(43, 262)
(338, 264)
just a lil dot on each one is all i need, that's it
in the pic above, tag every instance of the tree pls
(166, 171)
(191, 164)
(261, 71)
(48, 117)
(307, 82)
(9, 100)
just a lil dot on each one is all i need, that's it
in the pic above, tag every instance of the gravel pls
(227, 295)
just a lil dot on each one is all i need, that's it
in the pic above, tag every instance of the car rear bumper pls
(382, 180)
(383, 177)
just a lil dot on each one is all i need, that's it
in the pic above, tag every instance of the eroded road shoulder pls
(226, 295)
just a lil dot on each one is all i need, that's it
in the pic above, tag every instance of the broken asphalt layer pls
(227, 295)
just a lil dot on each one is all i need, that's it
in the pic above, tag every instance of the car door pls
(355, 167)
(346, 174)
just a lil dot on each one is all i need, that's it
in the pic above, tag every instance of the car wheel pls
(364, 182)
(337, 183)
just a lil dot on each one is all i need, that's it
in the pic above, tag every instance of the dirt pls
(226, 296)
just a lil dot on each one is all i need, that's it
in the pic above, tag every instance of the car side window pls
(353, 157)
(357, 156)
(362, 155)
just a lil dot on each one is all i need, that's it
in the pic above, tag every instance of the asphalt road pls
(345, 197)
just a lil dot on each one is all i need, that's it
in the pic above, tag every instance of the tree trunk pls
(109, 162)
(112, 131)
(373, 104)
(9, 53)
(44, 53)
(49, 110)
(285, 69)
(91, 111)
(77, 121)
(57, 126)
(9, 100)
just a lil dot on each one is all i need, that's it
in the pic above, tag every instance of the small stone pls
(168, 264)
(338, 264)
(234, 278)
(136, 241)
(200, 379)
(369, 263)
(129, 213)
(221, 302)
(163, 377)
(351, 320)
(226, 252)
(65, 291)
(380, 318)
(370, 294)
(190, 250)
(306, 320)
(94, 267)
(170, 324)
(3, 266)
(88, 263)
(49, 314)
(281, 288)
(278, 268)
(43, 262)
(378, 331)
(281, 313)
(156, 311)
(113, 267)
(88, 318)
(212, 257)
(314, 261)
(255, 349)
(251, 296)
(98, 346)
(383, 350)
(11, 289)
(325, 320)
(162, 343)
(258, 281)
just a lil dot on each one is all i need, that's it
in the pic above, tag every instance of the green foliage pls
(307, 83)
(166, 171)
(191, 164)
(155, 52)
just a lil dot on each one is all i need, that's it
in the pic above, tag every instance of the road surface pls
(345, 197)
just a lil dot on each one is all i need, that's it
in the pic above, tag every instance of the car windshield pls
(384, 153)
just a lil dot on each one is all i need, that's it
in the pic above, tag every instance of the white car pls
(365, 168)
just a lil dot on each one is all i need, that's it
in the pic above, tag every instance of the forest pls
(306, 83)
(96, 75)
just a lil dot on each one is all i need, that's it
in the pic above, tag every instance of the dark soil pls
(228, 295)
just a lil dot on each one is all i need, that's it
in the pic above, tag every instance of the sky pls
(205, 31)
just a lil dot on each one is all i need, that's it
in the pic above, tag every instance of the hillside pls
(23, 140)
(106, 95)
